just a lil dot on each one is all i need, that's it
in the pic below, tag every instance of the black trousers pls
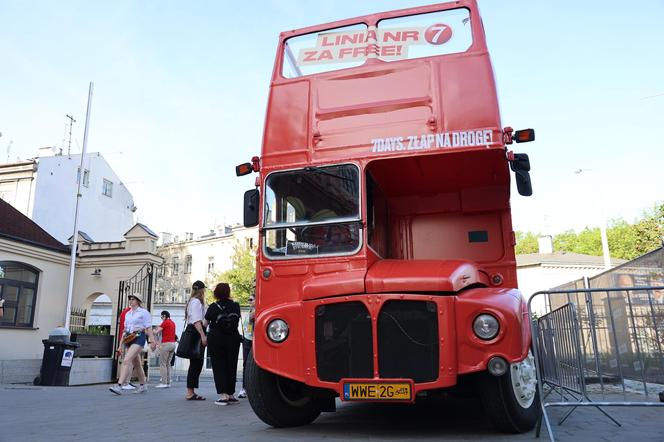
(194, 372)
(246, 349)
(224, 350)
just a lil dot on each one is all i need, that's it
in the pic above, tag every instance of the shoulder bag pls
(189, 346)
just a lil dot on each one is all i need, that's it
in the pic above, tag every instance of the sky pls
(180, 92)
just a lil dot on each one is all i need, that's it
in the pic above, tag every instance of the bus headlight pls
(277, 330)
(486, 326)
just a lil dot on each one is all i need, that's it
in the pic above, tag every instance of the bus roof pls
(408, 82)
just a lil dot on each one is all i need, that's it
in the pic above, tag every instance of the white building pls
(187, 259)
(44, 189)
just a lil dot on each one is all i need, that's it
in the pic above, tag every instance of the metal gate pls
(142, 282)
(598, 348)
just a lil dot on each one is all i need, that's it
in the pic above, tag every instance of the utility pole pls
(72, 263)
(71, 123)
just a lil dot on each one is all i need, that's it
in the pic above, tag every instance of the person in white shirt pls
(195, 317)
(138, 323)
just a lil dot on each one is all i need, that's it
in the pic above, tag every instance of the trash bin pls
(58, 358)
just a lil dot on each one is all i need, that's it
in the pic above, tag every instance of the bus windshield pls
(312, 211)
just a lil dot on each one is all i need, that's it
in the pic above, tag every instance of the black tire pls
(36, 381)
(278, 401)
(501, 404)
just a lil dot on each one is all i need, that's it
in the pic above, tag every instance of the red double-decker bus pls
(386, 267)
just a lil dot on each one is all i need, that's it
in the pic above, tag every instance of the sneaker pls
(221, 402)
(117, 389)
(141, 389)
(242, 394)
(232, 400)
(128, 387)
(163, 386)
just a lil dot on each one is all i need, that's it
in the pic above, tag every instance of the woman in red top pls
(166, 348)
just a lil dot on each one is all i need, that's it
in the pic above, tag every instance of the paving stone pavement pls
(53, 414)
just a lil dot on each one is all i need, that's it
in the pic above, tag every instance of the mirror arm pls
(507, 135)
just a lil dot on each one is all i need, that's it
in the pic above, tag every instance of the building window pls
(18, 287)
(86, 177)
(174, 294)
(176, 265)
(187, 264)
(160, 297)
(211, 264)
(184, 295)
(108, 188)
(187, 293)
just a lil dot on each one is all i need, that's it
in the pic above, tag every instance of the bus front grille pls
(343, 341)
(408, 340)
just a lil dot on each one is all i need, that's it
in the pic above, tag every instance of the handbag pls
(129, 338)
(189, 346)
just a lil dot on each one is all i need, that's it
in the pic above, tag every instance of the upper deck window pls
(312, 211)
(393, 39)
(315, 53)
(426, 35)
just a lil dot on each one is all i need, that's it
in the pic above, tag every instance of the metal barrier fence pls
(599, 348)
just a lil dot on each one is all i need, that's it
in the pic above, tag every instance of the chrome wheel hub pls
(524, 381)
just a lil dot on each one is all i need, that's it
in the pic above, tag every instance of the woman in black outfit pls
(224, 342)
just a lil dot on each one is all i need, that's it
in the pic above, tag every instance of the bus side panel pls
(287, 124)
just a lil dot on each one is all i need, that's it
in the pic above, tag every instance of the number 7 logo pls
(438, 34)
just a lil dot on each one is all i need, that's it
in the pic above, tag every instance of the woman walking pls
(137, 328)
(224, 343)
(194, 318)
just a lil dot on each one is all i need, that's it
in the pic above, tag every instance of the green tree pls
(526, 242)
(242, 274)
(589, 242)
(650, 230)
(622, 239)
(565, 242)
(626, 241)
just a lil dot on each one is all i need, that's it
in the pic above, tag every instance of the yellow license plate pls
(377, 391)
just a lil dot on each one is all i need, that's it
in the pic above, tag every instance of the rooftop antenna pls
(71, 123)
(9, 149)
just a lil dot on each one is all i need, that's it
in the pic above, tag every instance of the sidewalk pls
(53, 414)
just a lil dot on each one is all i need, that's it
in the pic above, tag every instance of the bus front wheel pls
(278, 401)
(511, 401)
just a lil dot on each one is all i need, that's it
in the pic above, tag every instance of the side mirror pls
(523, 184)
(251, 202)
(521, 166)
(520, 162)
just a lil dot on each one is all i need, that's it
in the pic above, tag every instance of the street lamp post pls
(602, 227)
(72, 263)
